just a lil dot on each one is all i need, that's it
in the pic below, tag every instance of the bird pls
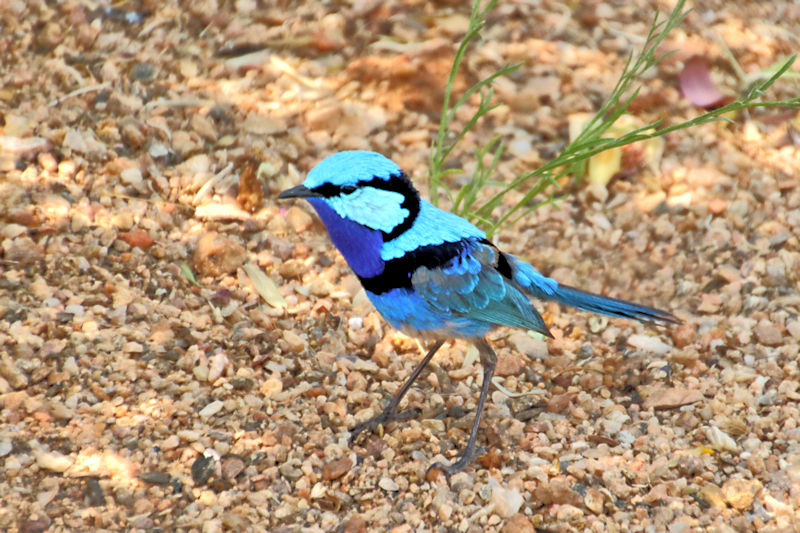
(433, 274)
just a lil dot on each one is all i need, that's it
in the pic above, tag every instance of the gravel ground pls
(133, 397)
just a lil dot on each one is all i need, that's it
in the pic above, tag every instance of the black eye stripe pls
(328, 190)
(396, 183)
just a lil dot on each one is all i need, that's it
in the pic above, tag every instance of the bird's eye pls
(348, 189)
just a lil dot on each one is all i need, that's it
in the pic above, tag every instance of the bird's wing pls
(469, 285)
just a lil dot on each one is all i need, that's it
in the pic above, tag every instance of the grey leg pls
(390, 413)
(489, 361)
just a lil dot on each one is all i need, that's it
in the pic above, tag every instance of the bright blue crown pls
(348, 168)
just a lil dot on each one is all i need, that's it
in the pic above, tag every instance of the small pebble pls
(188, 435)
(202, 469)
(232, 465)
(296, 343)
(509, 364)
(170, 443)
(506, 502)
(22, 250)
(388, 484)
(217, 254)
(569, 514)
(557, 492)
(155, 478)
(336, 468)
(217, 364)
(271, 387)
(211, 409)
(53, 461)
(461, 480)
(712, 495)
(299, 219)
(518, 523)
(94, 493)
(768, 334)
(594, 501)
(721, 441)
(525, 344)
(133, 177)
(649, 343)
(70, 366)
(740, 493)
(13, 374)
(717, 206)
(793, 327)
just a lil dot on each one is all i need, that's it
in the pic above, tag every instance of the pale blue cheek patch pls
(375, 208)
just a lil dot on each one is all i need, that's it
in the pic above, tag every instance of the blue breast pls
(360, 246)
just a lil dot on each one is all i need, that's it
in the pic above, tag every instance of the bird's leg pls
(390, 413)
(489, 361)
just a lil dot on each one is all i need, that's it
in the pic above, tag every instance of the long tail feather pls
(535, 284)
(611, 306)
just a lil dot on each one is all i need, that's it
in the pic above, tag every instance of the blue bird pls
(431, 273)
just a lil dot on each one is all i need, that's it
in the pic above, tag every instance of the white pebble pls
(55, 462)
(211, 409)
(132, 177)
(721, 441)
(75, 309)
(388, 484)
(71, 366)
(188, 435)
(649, 344)
(217, 365)
(506, 502)
(170, 443)
(318, 491)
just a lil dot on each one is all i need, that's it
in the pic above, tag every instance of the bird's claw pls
(382, 419)
(456, 467)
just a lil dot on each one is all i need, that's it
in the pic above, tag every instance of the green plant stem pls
(441, 148)
(589, 142)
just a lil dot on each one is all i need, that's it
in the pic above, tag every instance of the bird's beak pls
(301, 191)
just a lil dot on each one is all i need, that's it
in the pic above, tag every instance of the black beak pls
(301, 191)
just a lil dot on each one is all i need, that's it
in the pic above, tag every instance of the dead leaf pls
(672, 398)
(250, 193)
(264, 286)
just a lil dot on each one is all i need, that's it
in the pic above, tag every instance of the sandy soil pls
(132, 398)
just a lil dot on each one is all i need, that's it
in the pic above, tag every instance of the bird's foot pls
(453, 468)
(382, 419)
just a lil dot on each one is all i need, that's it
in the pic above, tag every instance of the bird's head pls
(362, 187)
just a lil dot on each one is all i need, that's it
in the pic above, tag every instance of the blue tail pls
(611, 306)
(535, 284)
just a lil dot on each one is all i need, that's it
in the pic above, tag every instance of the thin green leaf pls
(186, 270)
